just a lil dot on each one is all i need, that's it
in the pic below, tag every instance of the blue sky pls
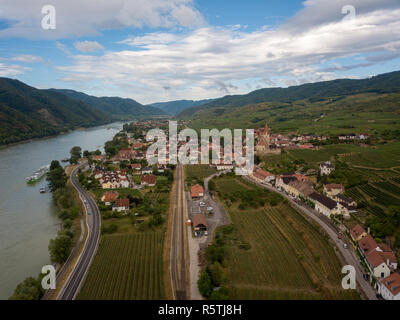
(163, 50)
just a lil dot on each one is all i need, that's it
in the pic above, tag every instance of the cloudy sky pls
(161, 50)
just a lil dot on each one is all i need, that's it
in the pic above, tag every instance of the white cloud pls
(88, 46)
(27, 58)
(210, 62)
(11, 70)
(77, 18)
(63, 48)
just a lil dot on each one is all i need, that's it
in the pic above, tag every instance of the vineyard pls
(126, 267)
(379, 197)
(389, 187)
(288, 258)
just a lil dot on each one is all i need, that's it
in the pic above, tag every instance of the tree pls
(220, 294)
(60, 248)
(29, 289)
(204, 284)
(76, 153)
(86, 153)
(217, 274)
(56, 176)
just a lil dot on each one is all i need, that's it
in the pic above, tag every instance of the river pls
(28, 218)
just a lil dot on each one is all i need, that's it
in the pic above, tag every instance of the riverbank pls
(28, 219)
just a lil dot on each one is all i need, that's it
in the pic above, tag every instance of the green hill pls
(175, 107)
(311, 92)
(26, 112)
(117, 108)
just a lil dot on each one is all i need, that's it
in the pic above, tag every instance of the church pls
(264, 146)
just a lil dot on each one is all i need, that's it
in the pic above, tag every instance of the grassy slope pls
(363, 113)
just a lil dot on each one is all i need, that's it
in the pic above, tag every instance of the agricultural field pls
(385, 156)
(196, 173)
(284, 256)
(126, 267)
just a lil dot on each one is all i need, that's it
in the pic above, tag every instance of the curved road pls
(93, 221)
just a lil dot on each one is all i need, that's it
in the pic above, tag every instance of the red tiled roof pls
(367, 244)
(356, 231)
(199, 219)
(392, 283)
(122, 203)
(110, 196)
(332, 186)
(195, 190)
(149, 179)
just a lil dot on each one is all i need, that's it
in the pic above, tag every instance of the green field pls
(126, 267)
(369, 113)
(196, 173)
(288, 257)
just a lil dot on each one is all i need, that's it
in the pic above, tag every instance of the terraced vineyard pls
(126, 267)
(389, 187)
(380, 197)
(288, 258)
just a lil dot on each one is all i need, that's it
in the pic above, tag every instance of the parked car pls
(205, 233)
(345, 245)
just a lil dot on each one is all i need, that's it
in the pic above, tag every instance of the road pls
(350, 258)
(74, 282)
(219, 217)
(178, 240)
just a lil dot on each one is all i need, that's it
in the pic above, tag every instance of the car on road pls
(345, 245)
(202, 204)
(205, 233)
(89, 213)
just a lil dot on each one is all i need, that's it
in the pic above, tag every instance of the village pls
(131, 171)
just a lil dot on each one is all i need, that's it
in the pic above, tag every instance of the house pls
(363, 136)
(299, 189)
(333, 189)
(326, 205)
(200, 222)
(109, 197)
(121, 205)
(380, 259)
(282, 182)
(196, 191)
(357, 233)
(263, 176)
(126, 154)
(136, 166)
(389, 287)
(137, 145)
(326, 168)
(147, 170)
(124, 183)
(160, 168)
(345, 200)
(149, 180)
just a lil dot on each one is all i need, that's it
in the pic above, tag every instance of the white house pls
(389, 287)
(326, 168)
(121, 205)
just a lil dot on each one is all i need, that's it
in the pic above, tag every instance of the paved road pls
(219, 217)
(93, 221)
(350, 258)
(178, 259)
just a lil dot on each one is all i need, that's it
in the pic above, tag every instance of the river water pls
(28, 218)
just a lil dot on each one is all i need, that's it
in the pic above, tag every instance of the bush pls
(204, 284)
(220, 294)
(109, 229)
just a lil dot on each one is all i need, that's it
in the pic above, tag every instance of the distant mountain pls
(175, 107)
(313, 92)
(117, 108)
(27, 112)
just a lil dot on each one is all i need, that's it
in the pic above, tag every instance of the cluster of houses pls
(119, 205)
(352, 136)
(381, 262)
(112, 179)
(299, 186)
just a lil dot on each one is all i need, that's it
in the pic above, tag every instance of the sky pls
(163, 50)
